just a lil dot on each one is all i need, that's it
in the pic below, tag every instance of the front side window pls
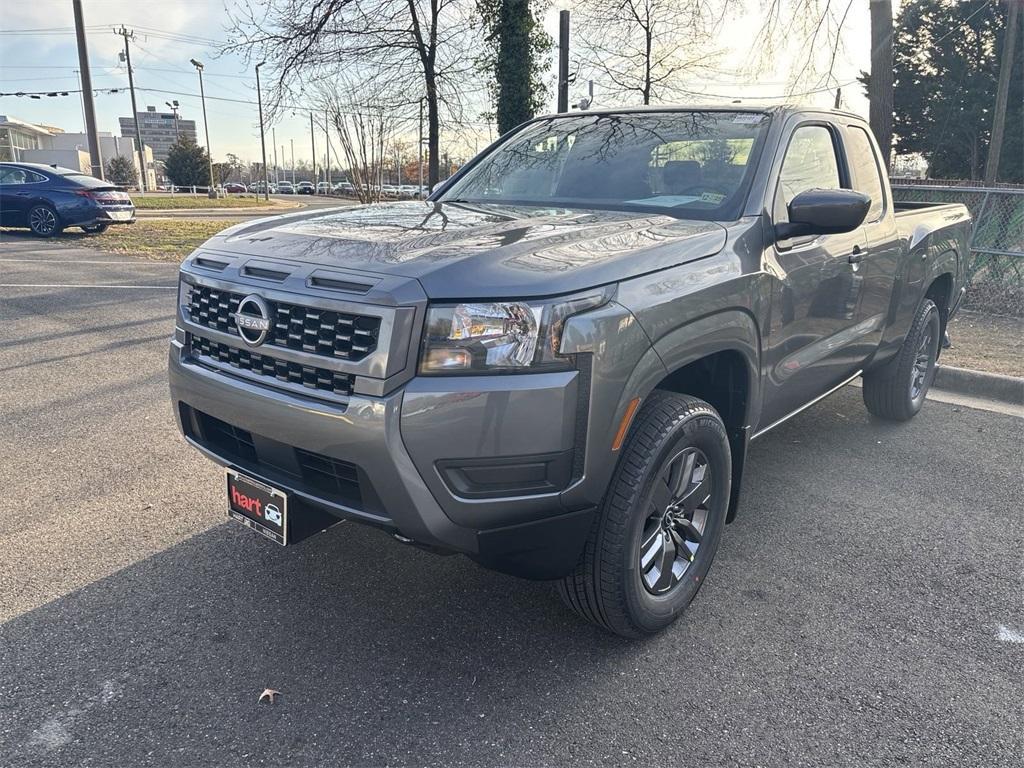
(810, 163)
(692, 164)
(867, 177)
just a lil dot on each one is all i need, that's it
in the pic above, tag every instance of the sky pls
(38, 53)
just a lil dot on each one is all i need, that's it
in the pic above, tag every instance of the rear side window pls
(810, 163)
(867, 177)
(20, 176)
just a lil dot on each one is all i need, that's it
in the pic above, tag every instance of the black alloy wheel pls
(897, 389)
(43, 221)
(658, 528)
(680, 504)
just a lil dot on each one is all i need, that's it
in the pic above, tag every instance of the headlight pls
(500, 336)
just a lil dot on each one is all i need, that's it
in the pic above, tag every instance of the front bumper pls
(473, 465)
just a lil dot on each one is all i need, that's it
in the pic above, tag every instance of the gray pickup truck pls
(555, 364)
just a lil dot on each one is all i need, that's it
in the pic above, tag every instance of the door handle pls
(856, 255)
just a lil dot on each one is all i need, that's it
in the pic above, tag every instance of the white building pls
(28, 143)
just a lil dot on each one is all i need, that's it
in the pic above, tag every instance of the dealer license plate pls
(258, 506)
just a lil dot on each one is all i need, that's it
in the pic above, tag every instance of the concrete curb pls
(989, 386)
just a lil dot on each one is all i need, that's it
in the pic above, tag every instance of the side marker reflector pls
(627, 418)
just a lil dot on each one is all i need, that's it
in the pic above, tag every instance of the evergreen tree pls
(186, 164)
(121, 171)
(947, 68)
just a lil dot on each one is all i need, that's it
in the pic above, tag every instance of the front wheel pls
(661, 520)
(43, 220)
(897, 390)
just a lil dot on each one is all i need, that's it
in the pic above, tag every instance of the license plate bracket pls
(258, 506)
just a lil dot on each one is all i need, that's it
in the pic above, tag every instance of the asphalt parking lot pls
(866, 608)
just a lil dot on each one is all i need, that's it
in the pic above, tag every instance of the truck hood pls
(458, 250)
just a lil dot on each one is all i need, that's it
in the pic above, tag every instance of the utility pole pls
(312, 141)
(206, 125)
(995, 145)
(880, 86)
(839, 97)
(126, 34)
(95, 159)
(263, 141)
(563, 61)
(78, 74)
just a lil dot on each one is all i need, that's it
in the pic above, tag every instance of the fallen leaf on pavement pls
(268, 694)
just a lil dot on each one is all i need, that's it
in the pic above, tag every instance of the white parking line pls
(1008, 635)
(70, 285)
(79, 261)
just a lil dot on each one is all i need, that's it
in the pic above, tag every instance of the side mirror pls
(824, 212)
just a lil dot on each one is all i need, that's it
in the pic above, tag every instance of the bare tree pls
(643, 48)
(420, 48)
(366, 121)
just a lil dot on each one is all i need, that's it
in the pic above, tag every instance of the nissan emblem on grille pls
(253, 320)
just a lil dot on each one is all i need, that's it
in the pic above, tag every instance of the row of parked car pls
(342, 188)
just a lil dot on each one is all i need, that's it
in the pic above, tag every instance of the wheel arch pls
(940, 291)
(716, 358)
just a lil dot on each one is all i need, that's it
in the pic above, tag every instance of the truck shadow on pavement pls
(352, 628)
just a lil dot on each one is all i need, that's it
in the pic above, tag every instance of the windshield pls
(692, 164)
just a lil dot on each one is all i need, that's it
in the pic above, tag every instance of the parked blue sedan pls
(48, 199)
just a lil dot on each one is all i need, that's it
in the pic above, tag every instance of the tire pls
(612, 584)
(96, 229)
(44, 221)
(897, 390)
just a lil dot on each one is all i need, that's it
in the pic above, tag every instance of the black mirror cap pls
(824, 212)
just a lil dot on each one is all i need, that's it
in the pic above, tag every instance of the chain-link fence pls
(996, 271)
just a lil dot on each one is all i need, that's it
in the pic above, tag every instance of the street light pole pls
(206, 125)
(263, 142)
(273, 139)
(327, 134)
(419, 192)
(174, 110)
(312, 141)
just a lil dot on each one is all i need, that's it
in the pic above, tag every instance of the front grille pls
(306, 471)
(307, 329)
(308, 376)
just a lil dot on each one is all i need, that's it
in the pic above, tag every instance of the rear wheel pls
(897, 390)
(43, 220)
(660, 523)
(96, 229)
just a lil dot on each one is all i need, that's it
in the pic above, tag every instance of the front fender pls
(733, 330)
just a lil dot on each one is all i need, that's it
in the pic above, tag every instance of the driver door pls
(14, 197)
(815, 297)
